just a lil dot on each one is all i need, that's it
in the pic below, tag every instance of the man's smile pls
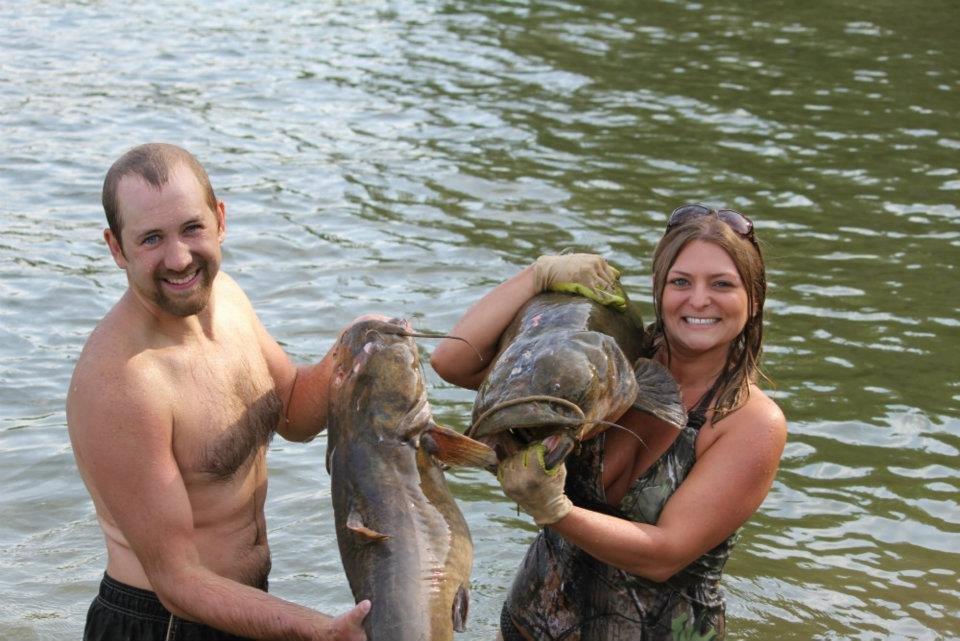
(182, 282)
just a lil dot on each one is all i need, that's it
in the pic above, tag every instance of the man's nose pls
(178, 256)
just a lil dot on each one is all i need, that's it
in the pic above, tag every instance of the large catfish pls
(403, 541)
(566, 366)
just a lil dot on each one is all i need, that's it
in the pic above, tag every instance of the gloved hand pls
(585, 274)
(537, 490)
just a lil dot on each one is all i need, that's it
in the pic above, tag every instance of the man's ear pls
(221, 220)
(113, 243)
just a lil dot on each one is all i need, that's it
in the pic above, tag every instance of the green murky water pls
(403, 157)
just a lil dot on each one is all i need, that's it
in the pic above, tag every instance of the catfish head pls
(557, 384)
(378, 394)
(377, 390)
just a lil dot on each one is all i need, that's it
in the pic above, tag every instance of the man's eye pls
(152, 239)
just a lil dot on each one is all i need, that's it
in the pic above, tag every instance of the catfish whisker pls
(389, 330)
(530, 399)
(450, 336)
(399, 331)
(572, 422)
(620, 427)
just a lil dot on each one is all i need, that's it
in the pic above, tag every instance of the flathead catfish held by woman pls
(403, 541)
(565, 366)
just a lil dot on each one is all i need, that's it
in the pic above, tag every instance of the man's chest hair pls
(229, 410)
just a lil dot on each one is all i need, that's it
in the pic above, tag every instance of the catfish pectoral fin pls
(659, 393)
(355, 525)
(453, 448)
(461, 604)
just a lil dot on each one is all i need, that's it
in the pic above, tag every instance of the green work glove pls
(537, 490)
(585, 274)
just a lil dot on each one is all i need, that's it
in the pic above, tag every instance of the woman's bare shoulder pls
(759, 418)
(761, 407)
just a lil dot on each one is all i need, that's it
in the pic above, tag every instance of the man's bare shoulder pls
(228, 291)
(126, 331)
(118, 336)
(116, 366)
(109, 380)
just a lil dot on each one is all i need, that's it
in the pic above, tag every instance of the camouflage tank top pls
(561, 592)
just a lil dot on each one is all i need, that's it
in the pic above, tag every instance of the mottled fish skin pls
(403, 541)
(564, 364)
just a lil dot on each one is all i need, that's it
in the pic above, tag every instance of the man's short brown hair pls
(153, 162)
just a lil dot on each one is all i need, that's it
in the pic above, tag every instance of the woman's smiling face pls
(704, 303)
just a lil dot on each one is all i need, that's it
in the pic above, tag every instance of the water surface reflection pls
(403, 157)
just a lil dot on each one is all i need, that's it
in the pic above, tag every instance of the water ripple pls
(404, 156)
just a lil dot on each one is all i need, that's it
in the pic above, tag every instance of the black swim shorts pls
(125, 613)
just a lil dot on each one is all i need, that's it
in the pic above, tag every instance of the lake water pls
(403, 157)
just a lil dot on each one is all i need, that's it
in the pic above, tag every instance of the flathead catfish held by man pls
(403, 540)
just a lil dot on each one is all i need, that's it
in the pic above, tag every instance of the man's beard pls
(197, 300)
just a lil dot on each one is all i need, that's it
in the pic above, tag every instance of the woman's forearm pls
(637, 548)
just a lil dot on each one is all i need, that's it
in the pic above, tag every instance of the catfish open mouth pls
(514, 423)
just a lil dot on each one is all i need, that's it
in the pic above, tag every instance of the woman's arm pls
(724, 488)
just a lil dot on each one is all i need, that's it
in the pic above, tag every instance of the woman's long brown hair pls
(732, 387)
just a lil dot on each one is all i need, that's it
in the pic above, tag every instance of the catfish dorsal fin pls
(659, 393)
(453, 448)
(355, 525)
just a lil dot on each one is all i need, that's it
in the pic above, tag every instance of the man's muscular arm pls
(121, 427)
(305, 399)
(303, 389)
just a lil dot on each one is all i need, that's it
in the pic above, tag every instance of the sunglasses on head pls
(739, 223)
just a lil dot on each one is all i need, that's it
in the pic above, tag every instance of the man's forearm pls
(242, 610)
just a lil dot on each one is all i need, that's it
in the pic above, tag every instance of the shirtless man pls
(171, 407)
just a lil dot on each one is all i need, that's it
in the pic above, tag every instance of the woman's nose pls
(700, 296)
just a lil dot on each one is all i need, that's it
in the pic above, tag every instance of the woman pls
(637, 550)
